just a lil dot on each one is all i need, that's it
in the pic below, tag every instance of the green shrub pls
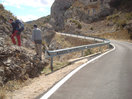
(5, 15)
(91, 28)
(79, 26)
(121, 23)
(111, 17)
(88, 52)
(128, 16)
(120, 19)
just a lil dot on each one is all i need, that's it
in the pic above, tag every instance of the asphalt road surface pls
(109, 77)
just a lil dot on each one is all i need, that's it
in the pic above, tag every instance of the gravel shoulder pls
(41, 84)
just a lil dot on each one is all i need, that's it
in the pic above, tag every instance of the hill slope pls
(91, 16)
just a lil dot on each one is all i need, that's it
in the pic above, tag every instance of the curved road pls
(109, 77)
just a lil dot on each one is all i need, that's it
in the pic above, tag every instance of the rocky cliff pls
(82, 10)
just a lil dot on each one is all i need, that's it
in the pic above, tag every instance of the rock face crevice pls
(83, 10)
(58, 10)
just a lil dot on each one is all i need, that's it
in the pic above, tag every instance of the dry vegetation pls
(76, 22)
(67, 42)
(120, 19)
(4, 14)
(117, 35)
(118, 22)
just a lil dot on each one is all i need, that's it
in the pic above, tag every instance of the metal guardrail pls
(59, 52)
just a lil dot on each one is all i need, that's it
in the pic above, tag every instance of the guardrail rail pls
(51, 54)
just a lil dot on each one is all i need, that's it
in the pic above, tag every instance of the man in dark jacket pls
(15, 32)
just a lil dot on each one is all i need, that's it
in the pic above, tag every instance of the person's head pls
(11, 20)
(35, 26)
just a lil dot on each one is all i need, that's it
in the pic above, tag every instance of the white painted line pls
(61, 82)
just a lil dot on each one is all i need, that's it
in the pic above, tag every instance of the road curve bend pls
(109, 77)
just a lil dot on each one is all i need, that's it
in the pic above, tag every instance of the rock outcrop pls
(82, 10)
(58, 10)
(18, 64)
(129, 28)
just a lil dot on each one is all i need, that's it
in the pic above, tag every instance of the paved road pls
(109, 77)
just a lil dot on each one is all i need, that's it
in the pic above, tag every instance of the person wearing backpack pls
(37, 39)
(18, 27)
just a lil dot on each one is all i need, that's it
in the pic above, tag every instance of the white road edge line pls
(61, 82)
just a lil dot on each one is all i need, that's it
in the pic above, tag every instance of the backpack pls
(20, 25)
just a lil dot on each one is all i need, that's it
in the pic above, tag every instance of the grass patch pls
(121, 23)
(120, 19)
(4, 14)
(87, 52)
(7, 90)
(91, 28)
(128, 16)
(56, 66)
(79, 26)
(118, 35)
(114, 16)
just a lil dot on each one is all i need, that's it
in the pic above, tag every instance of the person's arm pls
(33, 36)
(41, 34)
(13, 27)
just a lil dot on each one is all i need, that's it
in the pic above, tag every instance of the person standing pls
(18, 27)
(37, 39)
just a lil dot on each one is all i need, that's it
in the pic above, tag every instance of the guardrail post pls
(108, 46)
(51, 64)
(100, 49)
(82, 52)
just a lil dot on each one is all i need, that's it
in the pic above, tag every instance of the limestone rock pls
(83, 10)
(57, 12)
